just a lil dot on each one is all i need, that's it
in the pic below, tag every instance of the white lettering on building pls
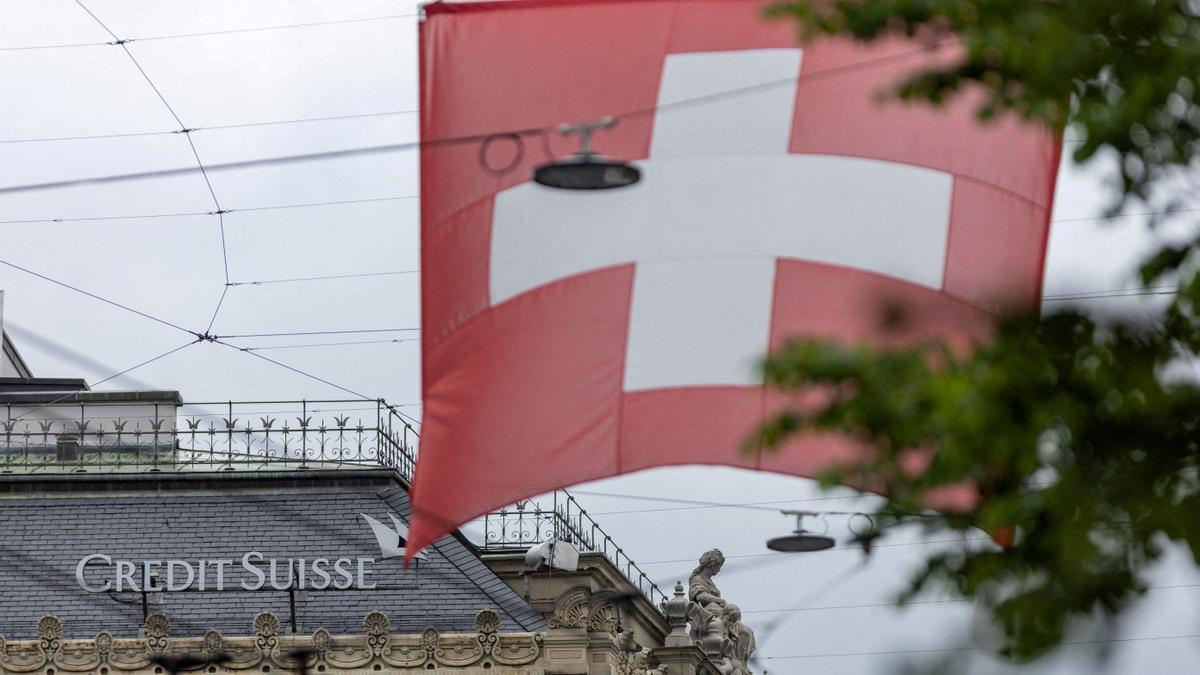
(100, 573)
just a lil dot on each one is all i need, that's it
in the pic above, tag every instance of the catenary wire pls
(854, 547)
(477, 138)
(114, 376)
(318, 378)
(364, 200)
(317, 332)
(181, 214)
(199, 162)
(211, 127)
(229, 31)
(183, 128)
(216, 311)
(263, 282)
(114, 303)
(271, 207)
(946, 650)
(1119, 293)
(718, 505)
(312, 345)
(670, 500)
(202, 337)
(897, 605)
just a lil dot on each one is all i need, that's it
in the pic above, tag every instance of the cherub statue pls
(741, 637)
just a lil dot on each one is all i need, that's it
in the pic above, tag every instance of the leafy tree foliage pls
(1081, 438)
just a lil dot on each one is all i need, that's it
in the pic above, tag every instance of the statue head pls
(710, 562)
(732, 614)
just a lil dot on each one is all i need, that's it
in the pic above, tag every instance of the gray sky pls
(173, 267)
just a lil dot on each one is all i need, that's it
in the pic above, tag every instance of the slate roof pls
(47, 527)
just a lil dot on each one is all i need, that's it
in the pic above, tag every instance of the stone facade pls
(264, 649)
(585, 637)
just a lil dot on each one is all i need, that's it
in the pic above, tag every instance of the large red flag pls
(570, 336)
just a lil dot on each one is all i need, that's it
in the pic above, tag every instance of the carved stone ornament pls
(429, 639)
(266, 625)
(321, 640)
(260, 651)
(212, 643)
(266, 630)
(602, 618)
(487, 621)
(158, 626)
(676, 609)
(49, 628)
(104, 642)
(571, 608)
(376, 626)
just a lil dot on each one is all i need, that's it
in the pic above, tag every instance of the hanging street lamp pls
(586, 170)
(801, 540)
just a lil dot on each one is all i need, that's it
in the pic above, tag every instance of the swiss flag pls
(570, 336)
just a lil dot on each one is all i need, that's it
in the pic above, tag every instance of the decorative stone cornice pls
(375, 649)
(579, 607)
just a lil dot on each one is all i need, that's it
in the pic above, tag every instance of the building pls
(143, 534)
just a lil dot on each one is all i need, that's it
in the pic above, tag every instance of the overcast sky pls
(174, 268)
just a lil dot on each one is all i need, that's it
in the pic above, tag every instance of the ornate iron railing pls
(528, 523)
(147, 436)
(137, 436)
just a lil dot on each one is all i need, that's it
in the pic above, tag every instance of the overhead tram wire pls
(183, 129)
(854, 547)
(289, 26)
(229, 31)
(313, 345)
(205, 337)
(182, 214)
(1117, 293)
(692, 502)
(89, 294)
(481, 137)
(520, 133)
(336, 202)
(948, 650)
(719, 505)
(212, 127)
(114, 376)
(917, 603)
(404, 416)
(328, 277)
(317, 332)
(368, 200)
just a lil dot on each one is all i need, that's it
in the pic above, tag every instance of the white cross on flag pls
(570, 335)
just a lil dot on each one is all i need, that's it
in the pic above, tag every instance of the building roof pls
(49, 523)
(13, 363)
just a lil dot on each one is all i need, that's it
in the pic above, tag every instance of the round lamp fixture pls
(586, 170)
(801, 540)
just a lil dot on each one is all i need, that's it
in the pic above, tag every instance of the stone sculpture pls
(716, 625)
(741, 638)
(707, 603)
